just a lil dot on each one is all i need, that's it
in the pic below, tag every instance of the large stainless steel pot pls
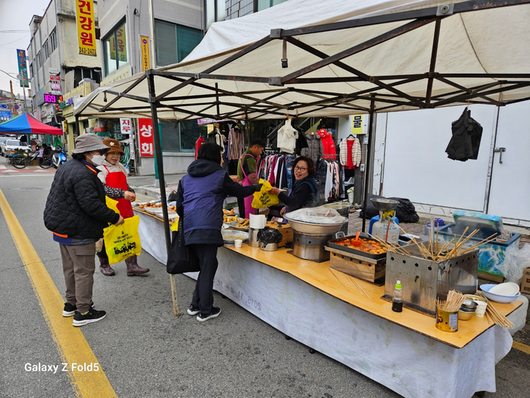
(315, 229)
(309, 239)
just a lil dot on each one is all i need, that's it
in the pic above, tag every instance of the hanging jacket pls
(350, 153)
(465, 142)
(314, 150)
(287, 136)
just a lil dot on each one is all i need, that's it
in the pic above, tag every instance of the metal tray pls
(334, 245)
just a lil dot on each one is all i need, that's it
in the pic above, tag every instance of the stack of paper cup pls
(481, 308)
(257, 221)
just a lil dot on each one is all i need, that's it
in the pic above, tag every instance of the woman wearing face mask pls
(305, 187)
(76, 213)
(114, 178)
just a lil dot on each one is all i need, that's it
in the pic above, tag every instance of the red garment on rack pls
(327, 143)
(198, 144)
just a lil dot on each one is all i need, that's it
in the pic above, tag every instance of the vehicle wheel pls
(45, 163)
(18, 161)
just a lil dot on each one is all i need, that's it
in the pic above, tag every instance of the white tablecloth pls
(405, 361)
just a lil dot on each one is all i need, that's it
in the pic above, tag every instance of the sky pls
(15, 16)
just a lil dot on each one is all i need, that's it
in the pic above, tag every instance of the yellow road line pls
(521, 347)
(71, 343)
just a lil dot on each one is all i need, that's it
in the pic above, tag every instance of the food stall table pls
(307, 302)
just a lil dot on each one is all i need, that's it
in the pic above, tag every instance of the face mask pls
(97, 160)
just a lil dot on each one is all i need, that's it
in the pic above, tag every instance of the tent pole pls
(367, 169)
(160, 167)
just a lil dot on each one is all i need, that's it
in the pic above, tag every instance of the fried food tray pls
(335, 245)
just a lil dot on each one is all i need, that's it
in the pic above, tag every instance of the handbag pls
(122, 241)
(180, 258)
(251, 178)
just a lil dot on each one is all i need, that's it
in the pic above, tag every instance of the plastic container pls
(438, 222)
(397, 299)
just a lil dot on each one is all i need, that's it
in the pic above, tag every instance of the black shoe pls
(69, 310)
(90, 316)
(193, 311)
(214, 314)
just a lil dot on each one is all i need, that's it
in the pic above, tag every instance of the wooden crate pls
(285, 230)
(364, 268)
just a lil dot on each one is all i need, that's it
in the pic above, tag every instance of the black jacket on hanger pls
(465, 141)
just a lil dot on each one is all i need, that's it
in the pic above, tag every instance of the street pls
(141, 348)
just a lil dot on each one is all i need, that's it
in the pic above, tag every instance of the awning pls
(27, 124)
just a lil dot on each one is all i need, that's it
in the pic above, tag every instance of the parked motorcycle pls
(59, 157)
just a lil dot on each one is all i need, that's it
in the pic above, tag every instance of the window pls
(53, 41)
(263, 4)
(115, 49)
(45, 49)
(174, 42)
(181, 136)
(216, 10)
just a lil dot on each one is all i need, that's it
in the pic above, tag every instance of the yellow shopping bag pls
(264, 198)
(112, 204)
(122, 241)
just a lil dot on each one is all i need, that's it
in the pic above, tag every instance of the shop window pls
(174, 42)
(181, 136)
(115, 49)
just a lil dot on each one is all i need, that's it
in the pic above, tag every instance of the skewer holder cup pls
(423, 280)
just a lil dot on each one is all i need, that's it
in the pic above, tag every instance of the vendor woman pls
(304, 192)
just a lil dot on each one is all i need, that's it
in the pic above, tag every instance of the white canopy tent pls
(332, 58)
(338, 56)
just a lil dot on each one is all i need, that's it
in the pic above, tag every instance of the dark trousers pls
(203, 294)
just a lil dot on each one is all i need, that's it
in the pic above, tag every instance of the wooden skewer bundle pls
(432, 252)
(495, 315)
(453, 303)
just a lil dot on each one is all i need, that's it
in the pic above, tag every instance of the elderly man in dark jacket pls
(200, 199)
(76, 214)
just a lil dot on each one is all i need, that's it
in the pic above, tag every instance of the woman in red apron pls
(114, 178)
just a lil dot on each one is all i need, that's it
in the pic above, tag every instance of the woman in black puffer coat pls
(76, 214)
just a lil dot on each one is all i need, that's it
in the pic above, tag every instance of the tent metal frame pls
(376, 101)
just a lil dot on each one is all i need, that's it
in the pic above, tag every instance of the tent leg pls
(367, 169)
(174, 295)
(160, 167)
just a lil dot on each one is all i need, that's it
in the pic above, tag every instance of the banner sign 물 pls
(86, 27)
(357, 124)
(146, 138)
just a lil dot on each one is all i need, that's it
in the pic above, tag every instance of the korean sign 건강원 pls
(86, 27)
(146, 138)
